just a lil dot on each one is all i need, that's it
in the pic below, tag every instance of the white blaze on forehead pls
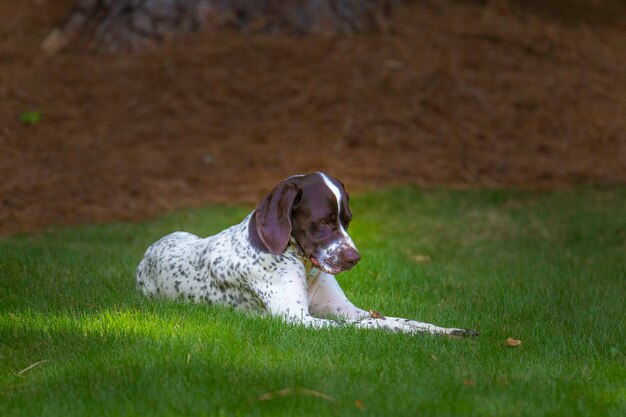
(334, 190)
(294, 176)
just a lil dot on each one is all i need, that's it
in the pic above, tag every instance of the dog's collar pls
(297, 248)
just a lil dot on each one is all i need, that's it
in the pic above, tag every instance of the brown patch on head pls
(314, 210)
(320, 223)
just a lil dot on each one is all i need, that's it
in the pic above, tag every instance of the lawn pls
(546, 268)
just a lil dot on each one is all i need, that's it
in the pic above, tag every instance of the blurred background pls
(123, 109)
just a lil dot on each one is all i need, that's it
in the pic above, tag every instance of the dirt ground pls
(456, 94)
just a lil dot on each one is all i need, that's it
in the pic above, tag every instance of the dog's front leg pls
(431, 328)
(327, 299)
(285, 295)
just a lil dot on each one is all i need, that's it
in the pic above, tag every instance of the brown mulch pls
(456, 94)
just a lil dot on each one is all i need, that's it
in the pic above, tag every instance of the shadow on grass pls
(175, 359)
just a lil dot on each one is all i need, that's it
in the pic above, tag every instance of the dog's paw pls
(463, 333)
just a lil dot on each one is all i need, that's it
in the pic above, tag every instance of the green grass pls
(546, 268)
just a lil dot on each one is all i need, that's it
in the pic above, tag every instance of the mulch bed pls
(455, 95)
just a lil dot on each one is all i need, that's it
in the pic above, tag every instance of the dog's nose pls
(351, 256)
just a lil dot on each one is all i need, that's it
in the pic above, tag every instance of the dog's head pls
(313, 209)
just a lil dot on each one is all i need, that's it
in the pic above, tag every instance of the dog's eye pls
(328, 220)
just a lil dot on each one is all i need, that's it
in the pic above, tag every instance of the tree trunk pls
(131, 25)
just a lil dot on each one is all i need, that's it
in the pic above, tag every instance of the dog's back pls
(182, 265)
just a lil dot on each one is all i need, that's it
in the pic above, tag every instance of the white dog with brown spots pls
(281, 259)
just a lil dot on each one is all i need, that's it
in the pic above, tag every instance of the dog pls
(280, 259)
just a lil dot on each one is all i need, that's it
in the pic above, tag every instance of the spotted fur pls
(233, 268)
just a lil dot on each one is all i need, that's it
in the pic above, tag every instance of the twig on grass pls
(28, 368)
(289, 391)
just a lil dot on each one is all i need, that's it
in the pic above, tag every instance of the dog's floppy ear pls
(273, 216)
